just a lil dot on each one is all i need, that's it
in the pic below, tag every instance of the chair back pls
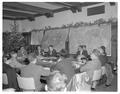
(9, 90)
(103, 70)
(79, 83)
(97, 75)
(26, 83)
(5, 78)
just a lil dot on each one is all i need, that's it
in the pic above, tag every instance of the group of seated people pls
(59, 74)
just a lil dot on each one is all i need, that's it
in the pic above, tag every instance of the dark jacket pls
(53, 54)
(11, 75)
(40, 53)
(85, 53)
(103, 59)
(65, 66)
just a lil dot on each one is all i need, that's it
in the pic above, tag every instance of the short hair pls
(84, 46)
(104, 49)
(80, 56)
(33, 55)
(81, 46)
(83, 58)
(13, 52)
(39, 46)
(50, 45)
(96, 52)
(51, 81)
(26, 61)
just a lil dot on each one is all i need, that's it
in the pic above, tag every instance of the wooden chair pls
(103, 70)
(26, 84)
(5, 79)
(9, 90)
(96, 77)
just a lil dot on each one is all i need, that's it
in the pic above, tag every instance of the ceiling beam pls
(62, 4)
(60, 9)
(73, 3)
(25, 7)
(11, 18)
(89, 3)
(16, 14)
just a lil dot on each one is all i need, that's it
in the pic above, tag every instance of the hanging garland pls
(78, 24)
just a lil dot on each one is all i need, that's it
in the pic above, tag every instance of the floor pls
(112, 88)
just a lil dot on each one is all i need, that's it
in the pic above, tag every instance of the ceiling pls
(30, 10)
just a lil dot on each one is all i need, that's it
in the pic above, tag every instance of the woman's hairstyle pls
(50, 79)
(96, 52)
(26, 61)
(104, 49)
(39, 46)
(50, 45)
(53, 80)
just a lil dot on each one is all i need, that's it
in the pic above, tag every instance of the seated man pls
(51, 51)
(13, 62)
(81, 60)
(79, 51)
(35, 71)
(56, 82)
(85, 53)
(22, 53)
(92, 65)
(64, 65)
(40, 51)
(11, 75)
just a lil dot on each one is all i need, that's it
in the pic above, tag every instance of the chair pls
(103, 70)
(79, 83)
(9, 90)
(26, 84)
(5, 79)
(96, 77)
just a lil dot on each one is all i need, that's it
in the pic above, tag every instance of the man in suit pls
(11, 75)
(51, 51)
(35, 71)
(92, 65)
(79, 51)
(65, 66)
(85, 53)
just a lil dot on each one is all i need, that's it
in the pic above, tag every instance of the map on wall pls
(56, 37)
(92, 36)
(36, 37)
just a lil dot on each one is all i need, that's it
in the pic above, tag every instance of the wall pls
(65, 17)
(7, 25)
(68, 17)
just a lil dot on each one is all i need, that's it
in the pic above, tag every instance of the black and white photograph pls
(59, 46)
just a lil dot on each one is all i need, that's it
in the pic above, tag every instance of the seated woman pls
(81, 60)
(92, 65)
(22, 52)
(104, 61)
(56, 81)
(103, 56)
(13, 62)
(79, 51)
